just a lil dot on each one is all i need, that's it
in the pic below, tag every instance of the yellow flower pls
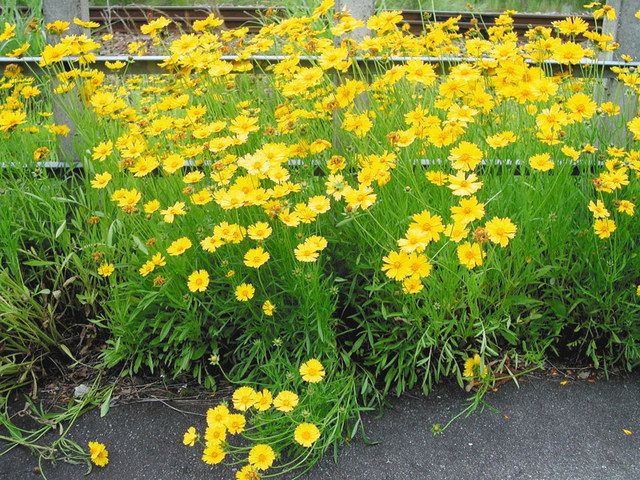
(58, 129)
(261, 456)
(334, 58)
(312, 371)
(604, 227)
(10, 119)
(470, 254)
(247, 472)
(468, 210)
(581, 106)
(190, 437)
(40, 153)
(215, 434)
(268, 308)
(358, 124)
(101, 180)
(213, 454)
(147, 268)
(99, 454)
(102, 150)
(217, 415)
(465, 156)
(500, 230)
(571, 152)
(159, 260)
(437, 177)
(396, 265)
(541, 162)
(569, 53)
(472, 367)
(29, 91)
(8, 32)
(201, 197)
(198, 281)
(193, 177)
(319, 204)
(501, 139)
(611, 108)
(243, 125)
(605, 11)
(285, 401)
(259, 231)
(57, 27)
(317, 242)
(155, 26)
(256, 257)
(127, 199)
(16, 52)
(598, 209)
(244, 398)
(462, 186)
(151, 206)
(456, 232)
(571, 26)
(53, 53)
(428, 225)
(308, 251)
(263, 400)
(179, 246)
(625, 206)
(419, 265)
(306, 434)
(244, 292)
(105, 269)
(412, 284)
(235, 423)
(85, 24)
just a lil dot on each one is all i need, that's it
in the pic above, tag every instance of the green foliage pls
(559, 291)
(556, 290)
(28, 26)
(46, 291)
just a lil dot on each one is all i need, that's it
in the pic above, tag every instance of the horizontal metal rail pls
(145, 65)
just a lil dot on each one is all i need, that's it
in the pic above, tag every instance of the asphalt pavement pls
(543, 430)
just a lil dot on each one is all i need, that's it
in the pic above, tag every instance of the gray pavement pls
(544, 430)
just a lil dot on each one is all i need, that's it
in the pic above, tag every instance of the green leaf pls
(111, 232)
(104, 408)
(345, 221)
(66, 350)
(37, 263)
(61, 228)
(198, 352)
(139, 244)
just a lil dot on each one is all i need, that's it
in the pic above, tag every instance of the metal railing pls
(145, 65)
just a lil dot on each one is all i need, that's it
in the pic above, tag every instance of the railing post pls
(65, 10)
(625, 30)
(360, 10)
